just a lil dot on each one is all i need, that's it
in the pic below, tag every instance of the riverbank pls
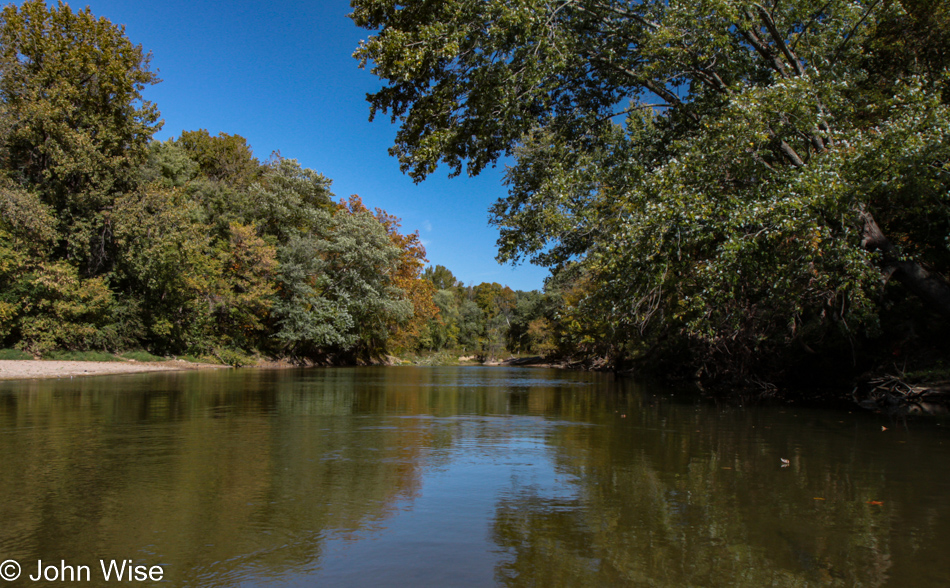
(41, 369)
(919, 392)
(22, 369)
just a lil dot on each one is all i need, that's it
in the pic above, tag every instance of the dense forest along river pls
(459, 477)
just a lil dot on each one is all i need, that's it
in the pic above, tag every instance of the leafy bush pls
(233, 358)
(60, 310)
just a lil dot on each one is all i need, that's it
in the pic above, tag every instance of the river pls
(460, 476)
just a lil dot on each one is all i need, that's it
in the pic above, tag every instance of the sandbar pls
(11, 369)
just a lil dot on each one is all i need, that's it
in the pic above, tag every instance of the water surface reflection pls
(463, 476)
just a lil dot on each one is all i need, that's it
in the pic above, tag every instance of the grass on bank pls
(236, 358)
(219, 356)
(136, 355)
(143, 356)
(80, 356)
(14, 354)
(437, 358)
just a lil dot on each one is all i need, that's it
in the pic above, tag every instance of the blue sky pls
(282, 75)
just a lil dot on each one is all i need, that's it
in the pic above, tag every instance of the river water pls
(460, 477)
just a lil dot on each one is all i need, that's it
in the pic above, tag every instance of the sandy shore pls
(17, 369)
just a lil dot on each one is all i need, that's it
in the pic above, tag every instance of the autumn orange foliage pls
(408, 275)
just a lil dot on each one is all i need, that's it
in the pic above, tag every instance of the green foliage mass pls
(110, 241)
(441, 277)
(75, 127)
(736, 184)
(338, 294)
(487, 320)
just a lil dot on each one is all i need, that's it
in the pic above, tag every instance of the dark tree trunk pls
(929, 287)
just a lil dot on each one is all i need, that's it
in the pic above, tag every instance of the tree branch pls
(814, 19)
(712, 79)
(626, 14)
(847, 38)
(816, 141)
(629, 110)
(931, 288)
(790, 153)
(773, 30)
(669, 97)
(773, 61)
(672, 99)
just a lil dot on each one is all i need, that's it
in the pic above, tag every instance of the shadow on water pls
(463, 476)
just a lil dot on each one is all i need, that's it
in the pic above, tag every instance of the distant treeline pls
(486, 320)
(110, 240)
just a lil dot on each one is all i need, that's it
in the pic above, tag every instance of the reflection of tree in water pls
(558, 542)
(247, 475)
(684, 495)
(223, 478)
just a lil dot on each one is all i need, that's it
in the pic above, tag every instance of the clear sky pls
(281, 74)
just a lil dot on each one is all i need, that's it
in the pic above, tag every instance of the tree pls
(441, 277)
(471, 325)
(169, 165)
(497, 302)
(364, 264)
(338, 294)
(27, 228)
(225, 158)
(166, 262)
(224, 167)
(408, 277)
(243, 299)
(444, 326)
(743, 176)
(75, 126)
(530, 330)
(44, 304)
(311, 321)
(288, 199)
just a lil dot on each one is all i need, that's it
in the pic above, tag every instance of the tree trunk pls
(931, 288)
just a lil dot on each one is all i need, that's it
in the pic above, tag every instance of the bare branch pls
(790, 153)
(930, 287)
(711, 79)
(632, 109)
(824, 127)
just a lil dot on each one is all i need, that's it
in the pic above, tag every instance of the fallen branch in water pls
(893, 393)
